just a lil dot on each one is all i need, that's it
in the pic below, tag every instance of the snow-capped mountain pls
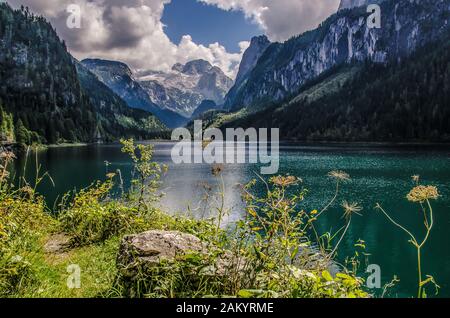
(172, 96)
(184, 88)
(119, 78)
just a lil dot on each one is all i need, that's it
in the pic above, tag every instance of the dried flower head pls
(421, 194)
(110, 175)
(28, 190)
(350, 209)
(7, 156)
(339, 175)
(217, 170)
(284, 182)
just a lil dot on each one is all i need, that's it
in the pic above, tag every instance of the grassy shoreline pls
(274, 251)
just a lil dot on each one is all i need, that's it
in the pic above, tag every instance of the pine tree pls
(22, 134)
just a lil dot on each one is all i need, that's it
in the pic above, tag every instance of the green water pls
(379, 175)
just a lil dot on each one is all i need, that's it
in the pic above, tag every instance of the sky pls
(156, 34)
(208, 24)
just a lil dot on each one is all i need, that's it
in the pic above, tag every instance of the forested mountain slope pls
(406, 101)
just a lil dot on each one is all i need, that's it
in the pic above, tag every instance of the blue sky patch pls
(207, 24)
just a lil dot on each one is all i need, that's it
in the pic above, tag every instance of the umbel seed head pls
(421, 194)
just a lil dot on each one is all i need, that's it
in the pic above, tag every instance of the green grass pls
(98, 271)
(330, 85)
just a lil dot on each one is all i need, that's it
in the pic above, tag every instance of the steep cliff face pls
(397, 102)
(251, 56)
(249, 60)
(343, 38)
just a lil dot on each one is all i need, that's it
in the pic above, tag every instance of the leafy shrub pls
(92, 217)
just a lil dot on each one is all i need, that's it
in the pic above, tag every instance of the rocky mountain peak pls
(257, 47)
(115, 67)
(178, 67)
(260, 40)
(197, 67)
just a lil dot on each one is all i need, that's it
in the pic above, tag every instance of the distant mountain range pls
(184, 88)
(172, 96)
(118, 77)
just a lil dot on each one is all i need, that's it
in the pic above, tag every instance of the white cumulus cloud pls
(281, 19)
(130, 31)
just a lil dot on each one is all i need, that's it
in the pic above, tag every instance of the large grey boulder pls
(145, 259)
(146, 250)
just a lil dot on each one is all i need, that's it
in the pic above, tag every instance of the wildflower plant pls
(147, 174)
(350, 209)
(284, 260)
(421, 195)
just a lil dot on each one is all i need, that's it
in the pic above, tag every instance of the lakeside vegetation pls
(274, 251)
